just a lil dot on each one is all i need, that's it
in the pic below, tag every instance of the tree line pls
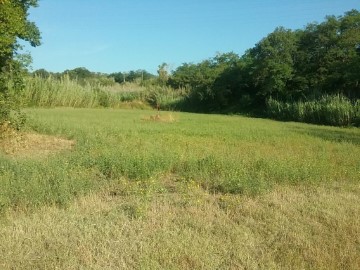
(83, 75)
(287, 65)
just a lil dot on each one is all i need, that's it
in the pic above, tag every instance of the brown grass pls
(288, 228)
(32, 145)
(168, 118)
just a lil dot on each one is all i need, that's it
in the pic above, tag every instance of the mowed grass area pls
(183, 191)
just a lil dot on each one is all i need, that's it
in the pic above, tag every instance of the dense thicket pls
(287, 65)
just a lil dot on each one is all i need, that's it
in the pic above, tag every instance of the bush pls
(11, 86)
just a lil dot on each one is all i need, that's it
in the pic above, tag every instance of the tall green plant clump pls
(53, 92)
(164, 97)
(335, 110)
(67, 92)
(14, 26)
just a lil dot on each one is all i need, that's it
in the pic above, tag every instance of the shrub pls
(11, 86)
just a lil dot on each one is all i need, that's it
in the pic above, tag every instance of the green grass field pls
(180, 191)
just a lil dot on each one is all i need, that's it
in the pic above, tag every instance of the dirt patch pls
(33, 145)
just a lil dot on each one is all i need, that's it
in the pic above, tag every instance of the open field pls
(180, 191)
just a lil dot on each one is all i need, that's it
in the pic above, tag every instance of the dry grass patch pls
(166, 118)
(32, 145)
(288, 228)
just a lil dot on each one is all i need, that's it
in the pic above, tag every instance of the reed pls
(335, 110)
(65, 92)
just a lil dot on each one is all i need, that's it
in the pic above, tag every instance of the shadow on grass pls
(346, 135)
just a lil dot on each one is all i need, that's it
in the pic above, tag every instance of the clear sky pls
(122, 35)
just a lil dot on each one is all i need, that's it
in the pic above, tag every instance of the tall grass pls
(334, 110)
(65, 92)
(165, 97)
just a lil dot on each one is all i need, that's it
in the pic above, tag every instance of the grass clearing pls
(201, 192)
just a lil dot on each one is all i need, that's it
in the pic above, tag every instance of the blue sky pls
(122, 35)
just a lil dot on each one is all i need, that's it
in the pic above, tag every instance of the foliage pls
(204, 81)
(288, 66)
(272, 63)
(84, 76)
(139, 75)
(163, 73)
(14, 26)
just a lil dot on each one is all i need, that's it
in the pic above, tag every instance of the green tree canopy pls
(163, 72)
(273, 59)
(14, 26)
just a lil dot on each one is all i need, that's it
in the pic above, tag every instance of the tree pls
(328, 58)
(207, 84)
(273, 59)
(350, 48)
(163, 72)
(139, 75)
(14, 26)
(80, 73)
(118, 77)
(42, 73)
